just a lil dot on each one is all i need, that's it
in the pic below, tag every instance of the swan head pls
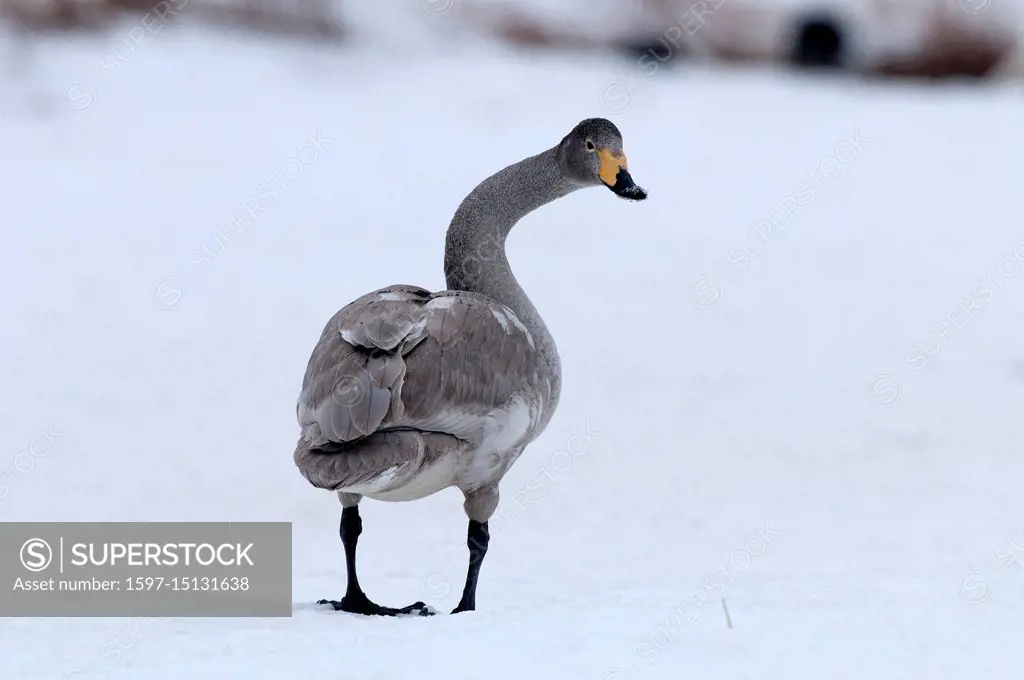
(592, 155)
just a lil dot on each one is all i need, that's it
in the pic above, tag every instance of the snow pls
(757, 430)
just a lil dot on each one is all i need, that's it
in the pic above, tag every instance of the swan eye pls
(590, 145)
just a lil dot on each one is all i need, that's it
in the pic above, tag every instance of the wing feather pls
(402, 357)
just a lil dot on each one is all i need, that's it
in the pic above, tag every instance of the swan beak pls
(614, 173)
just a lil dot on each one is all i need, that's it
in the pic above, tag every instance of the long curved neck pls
(474, 256)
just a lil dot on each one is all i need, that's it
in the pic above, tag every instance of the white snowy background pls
(796, 370)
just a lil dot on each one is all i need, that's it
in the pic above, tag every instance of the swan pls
(408, 391)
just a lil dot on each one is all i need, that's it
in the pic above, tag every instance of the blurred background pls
(882, 38)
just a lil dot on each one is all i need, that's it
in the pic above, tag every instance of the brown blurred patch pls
(517, 28)
(310, 18)
(953, 49)
(54, 15)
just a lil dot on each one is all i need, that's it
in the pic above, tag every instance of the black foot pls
(462, 608)
(367, 608)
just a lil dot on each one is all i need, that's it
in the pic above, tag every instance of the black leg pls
(477, 540)
(355, 600)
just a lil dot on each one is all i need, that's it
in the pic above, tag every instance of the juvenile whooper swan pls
(409, 392)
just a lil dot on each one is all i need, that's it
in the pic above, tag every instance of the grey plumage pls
(401, 362)
(408, 392)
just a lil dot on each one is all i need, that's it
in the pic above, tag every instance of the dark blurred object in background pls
(819, 41)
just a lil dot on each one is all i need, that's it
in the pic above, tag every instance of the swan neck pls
(475, 258)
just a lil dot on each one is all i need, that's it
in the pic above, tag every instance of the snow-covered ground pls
(823, 430)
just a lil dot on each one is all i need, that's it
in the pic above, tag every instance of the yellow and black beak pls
(614, 173)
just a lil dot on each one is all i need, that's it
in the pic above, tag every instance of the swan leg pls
(479, 506)
(477, 540)
(355, 600)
